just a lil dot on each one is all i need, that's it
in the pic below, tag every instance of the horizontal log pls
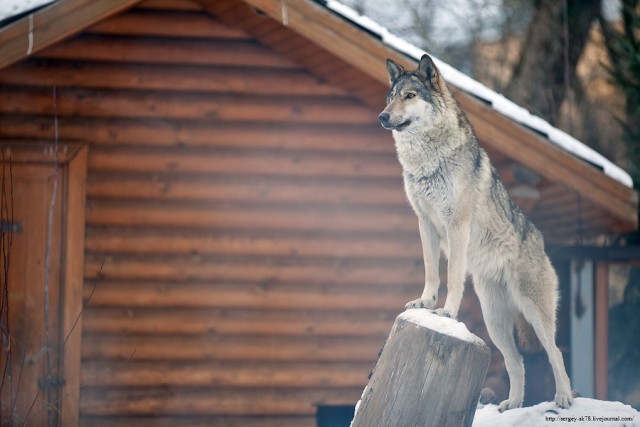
(242, 321)
(169, 23)
(220, 348)
(212, 402)
(289, 163)
(206, 107)
(169, 5)
(198, 134)
(175, 78)
(262, 374)
(303, 218)
(203, 421)
(277, 296)
(134, 241)
(230, 188)
(165, 50)
(253, 269)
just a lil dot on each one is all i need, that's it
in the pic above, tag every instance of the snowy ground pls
(584, 412)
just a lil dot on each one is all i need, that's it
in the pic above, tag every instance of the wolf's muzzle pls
(384, 120)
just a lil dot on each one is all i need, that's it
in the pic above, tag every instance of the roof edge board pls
(53, 23)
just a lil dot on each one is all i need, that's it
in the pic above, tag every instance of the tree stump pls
(430, 373)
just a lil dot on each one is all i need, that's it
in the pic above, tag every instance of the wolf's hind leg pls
(499, 317)
(543, 322)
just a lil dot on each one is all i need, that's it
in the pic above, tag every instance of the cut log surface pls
(430, 373)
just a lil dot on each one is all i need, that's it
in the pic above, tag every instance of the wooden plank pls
(230, 188)
(52, 24)
(272, 295)
(72, 291)
(288, 163)
(210, 107)
(212, 402)
(167, 24)
(170, 5)
(198, 134)
(601, 332)
(180, 242)
(171, 78)
(198, 268)
(32, 151)
(225, 375)
(202, 321)
(205, 421)
(229, 348)
(163, 50)
(250, 217)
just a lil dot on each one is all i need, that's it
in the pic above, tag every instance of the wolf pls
(464, 210)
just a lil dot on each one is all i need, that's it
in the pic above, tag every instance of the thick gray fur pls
(464, 210)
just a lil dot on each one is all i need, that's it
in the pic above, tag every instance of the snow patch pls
(583, 413)
(498, 102)
(9, 8)
(444, 325)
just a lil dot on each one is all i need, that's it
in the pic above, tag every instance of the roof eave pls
(53, 23)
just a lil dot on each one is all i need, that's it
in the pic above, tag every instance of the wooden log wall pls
(248, 242)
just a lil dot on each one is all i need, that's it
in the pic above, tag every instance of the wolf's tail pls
(527, 339)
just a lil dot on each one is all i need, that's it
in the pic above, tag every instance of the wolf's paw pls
(509, 404)
(419, 303)
(564, 400)
(444, 313)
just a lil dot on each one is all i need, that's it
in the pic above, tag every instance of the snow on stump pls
(430, 373)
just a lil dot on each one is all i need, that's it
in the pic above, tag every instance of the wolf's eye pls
(410, 95)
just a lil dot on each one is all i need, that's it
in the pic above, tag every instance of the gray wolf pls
(464, 210)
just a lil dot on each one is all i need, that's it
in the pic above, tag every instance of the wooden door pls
(42, 200)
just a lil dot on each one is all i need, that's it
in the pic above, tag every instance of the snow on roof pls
(444, 325)
(11, 8)
(497, 101)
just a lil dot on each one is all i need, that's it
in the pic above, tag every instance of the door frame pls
(71, 159)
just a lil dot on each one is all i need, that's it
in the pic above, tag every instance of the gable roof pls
(362, 46)
(497, 101)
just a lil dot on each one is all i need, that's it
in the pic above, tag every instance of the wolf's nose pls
(384, 118)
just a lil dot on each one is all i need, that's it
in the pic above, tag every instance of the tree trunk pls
(547, 65)
(430, 373)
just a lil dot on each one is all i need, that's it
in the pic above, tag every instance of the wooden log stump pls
(430, 373)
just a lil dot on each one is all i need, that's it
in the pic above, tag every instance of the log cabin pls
(207, 225)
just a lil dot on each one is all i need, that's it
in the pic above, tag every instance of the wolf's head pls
(414, 97)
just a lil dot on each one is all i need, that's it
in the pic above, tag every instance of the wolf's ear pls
(394, 70)
(427, 71)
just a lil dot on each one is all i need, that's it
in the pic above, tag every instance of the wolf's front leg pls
(458, 235)
(431, 255)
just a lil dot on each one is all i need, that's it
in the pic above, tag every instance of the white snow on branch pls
(498, 102)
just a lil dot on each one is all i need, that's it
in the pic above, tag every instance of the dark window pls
(335, 416)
